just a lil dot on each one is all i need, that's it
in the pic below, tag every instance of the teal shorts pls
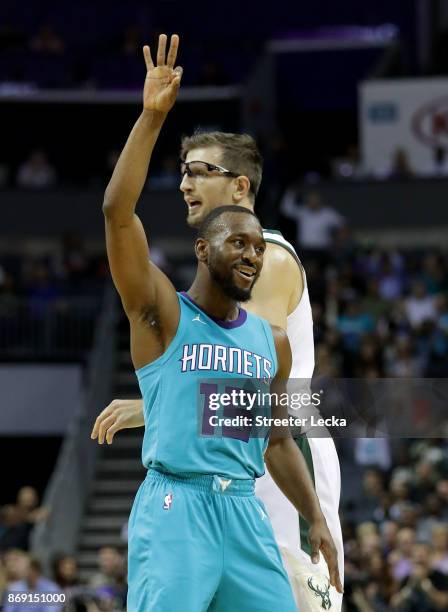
(203, 543)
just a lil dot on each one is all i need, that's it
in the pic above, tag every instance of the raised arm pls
(148, 297)
(288, 468)
(159, 95)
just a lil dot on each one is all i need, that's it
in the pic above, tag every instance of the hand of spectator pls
(162, 81)
(39, 514)
(418, 574)
(119, 414)
(360, 600)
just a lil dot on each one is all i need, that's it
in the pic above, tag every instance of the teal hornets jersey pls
(176, 388)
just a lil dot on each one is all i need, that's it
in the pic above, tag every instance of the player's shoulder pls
(279, 250)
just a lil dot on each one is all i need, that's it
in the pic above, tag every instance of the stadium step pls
(97, 540)
(109, 505)
(119, 473)
(108, 465)
(105, 523)
(120, 486)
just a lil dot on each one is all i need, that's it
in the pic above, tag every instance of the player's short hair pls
(210, 225)
(240, 153)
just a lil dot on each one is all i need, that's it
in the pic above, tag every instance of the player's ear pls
(201, 247)
(242, 188)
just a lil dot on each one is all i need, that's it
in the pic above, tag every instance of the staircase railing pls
(70, 483)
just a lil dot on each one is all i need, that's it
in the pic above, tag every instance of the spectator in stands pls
(401, 360)
(34, 582)
(353, 325)
(438, 166)
(47, 41)
(400, 167)
(28, 504)
(41, 289)
(15, 564)
(374, 303)
(344, 245)
(424, 479)
(315, 222)
(391, 277)
(423, 588)
(111, 574)
(439, 541)
(400, 558)
(434, 274)
(36, 172)
(65, 571)
(419, 306)
(16, 529)
(373, 491)
(442, 492)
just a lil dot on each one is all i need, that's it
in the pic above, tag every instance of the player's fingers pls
(161, 50)
(178, 72)
(335, 579)
(331, 559)
(172, 53)
(99, 419)
(174, 86)
(112, 431)
(315, 545)
(104, 428)
(148, 59)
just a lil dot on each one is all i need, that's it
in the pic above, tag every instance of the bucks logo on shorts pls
(322, 592)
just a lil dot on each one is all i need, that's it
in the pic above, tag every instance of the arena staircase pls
(118, 475)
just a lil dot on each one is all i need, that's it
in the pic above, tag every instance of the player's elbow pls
(274, 450)
(114, 213)
(109, 205)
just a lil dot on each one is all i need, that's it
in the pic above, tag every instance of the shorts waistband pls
(206, 482)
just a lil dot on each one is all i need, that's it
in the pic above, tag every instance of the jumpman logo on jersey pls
(198, 319)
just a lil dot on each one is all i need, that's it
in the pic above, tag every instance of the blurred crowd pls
(376, 312)
(22, 572)
(381, 313)
(50, 301)
(50, 56)
(395, 532)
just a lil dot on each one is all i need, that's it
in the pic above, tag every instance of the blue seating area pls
(99, 44)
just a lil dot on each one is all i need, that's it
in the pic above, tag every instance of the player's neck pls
(209, 296)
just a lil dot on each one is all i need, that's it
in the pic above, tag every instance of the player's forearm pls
(287, 467)
(129, 176)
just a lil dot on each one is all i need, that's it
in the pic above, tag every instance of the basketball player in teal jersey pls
(281, 296)
(199, 539)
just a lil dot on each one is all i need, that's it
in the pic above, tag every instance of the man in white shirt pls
(315, 222)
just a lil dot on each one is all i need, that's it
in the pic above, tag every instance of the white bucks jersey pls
(300, 321)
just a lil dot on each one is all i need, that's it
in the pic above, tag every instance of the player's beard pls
(228, 286)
